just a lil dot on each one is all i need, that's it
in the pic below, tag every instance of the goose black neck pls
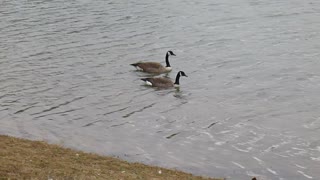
(167, 60)
(177, 79)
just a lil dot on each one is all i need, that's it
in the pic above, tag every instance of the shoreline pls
(30, 159)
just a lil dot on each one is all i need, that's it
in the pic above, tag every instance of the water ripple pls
(248, 108)
(58, 106)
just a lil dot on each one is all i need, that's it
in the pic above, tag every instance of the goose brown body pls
(155, 67)
(161, 82)
(164, 82)
(152, 67)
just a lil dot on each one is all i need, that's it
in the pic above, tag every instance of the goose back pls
(152, 67)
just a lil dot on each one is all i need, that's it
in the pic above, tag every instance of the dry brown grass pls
(25, 159)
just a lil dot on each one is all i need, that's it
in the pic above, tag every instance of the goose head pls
(182, 74)
(170, 53)
(177, 82)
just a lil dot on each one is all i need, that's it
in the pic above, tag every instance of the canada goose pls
(163, 82)
(155, 67)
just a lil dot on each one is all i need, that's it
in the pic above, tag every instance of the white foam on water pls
(239, 165)
(272, 171)
(313, 124)
(220, 143)
(223, 132)
(242, 150)
(315, 158)
(259, 160)
(299, 166)
(307, 176)
(316, 149)
(206, 133)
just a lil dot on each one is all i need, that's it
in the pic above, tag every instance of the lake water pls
(249, 106)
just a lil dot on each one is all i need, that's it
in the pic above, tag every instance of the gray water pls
(250, 106)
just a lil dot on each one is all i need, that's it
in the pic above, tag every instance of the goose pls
(155, 67)
(163, 82)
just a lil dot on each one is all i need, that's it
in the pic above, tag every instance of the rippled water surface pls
(250, 106)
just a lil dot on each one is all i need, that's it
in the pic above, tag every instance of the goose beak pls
(173, 54)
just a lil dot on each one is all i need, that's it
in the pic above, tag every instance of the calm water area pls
(249, 106)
